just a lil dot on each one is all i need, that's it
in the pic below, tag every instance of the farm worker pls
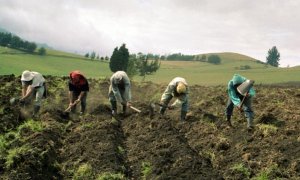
(236, 99)
(119, 91)
(179, 89)
(78, 89)
(33, 83)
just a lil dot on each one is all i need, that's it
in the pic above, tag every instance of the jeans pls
(38, 93)
(246, 107)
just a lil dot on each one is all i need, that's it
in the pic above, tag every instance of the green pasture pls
(61, 63)
(54, 63)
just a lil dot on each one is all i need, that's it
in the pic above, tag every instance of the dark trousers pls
(247, 107)
(82, 102)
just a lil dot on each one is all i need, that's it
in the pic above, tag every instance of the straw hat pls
(27, 76)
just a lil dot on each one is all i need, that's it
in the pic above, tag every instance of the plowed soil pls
(140, 146)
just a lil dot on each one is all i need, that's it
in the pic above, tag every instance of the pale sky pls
(249, 27)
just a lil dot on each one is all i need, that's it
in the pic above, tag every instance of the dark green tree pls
(203, 58)
(119, 59)
(124, 53)
(214, 59)
(273, 57)
(93, 55)
(87, 55)
(16, 42)
(146, 66)
(42, 51)
(5, 38)
(132, 68)
(30, 47)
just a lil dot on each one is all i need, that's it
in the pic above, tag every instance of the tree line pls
(15, 42)
(140, 63)
(133, 64)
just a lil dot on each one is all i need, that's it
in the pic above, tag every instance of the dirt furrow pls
(156, 150)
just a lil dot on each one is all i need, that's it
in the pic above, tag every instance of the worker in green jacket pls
(241, 101)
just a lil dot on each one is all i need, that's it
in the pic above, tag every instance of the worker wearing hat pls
(242, 100)
(119, 91)
(33, 83)
(78, 89)
(177, 88)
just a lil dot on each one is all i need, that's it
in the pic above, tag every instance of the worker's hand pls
(129, 104)
(77, 101)
(171, 107)
(240, 107)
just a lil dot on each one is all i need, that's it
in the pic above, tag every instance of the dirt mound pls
(57, 145)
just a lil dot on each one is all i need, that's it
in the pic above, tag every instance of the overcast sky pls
(249, 27)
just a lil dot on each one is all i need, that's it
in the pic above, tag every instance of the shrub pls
(214, 59)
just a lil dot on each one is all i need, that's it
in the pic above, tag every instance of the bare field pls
(135, 146)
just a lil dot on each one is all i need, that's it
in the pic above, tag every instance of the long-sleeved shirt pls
(234, 94)
(171, 91)
(120, 82)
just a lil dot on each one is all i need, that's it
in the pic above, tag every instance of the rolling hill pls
(60, 63)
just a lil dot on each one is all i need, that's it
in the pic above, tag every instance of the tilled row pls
(155, 150)
(93, 148)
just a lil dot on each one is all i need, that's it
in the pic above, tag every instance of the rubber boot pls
(228, 118)
(250, 126)
(162, 110)
(36, 109)
(183, 115)
(113, 108)
(124, 108)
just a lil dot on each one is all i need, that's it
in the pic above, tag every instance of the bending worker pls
(177, 88)
(242, 100)
(78, 90)
(33, 83)
(119, 91)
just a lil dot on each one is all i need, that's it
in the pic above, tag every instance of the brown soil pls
(138, 146)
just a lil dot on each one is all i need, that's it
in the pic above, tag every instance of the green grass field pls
(60, 64)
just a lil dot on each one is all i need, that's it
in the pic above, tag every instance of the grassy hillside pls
(54, 63)
(208, 74)
(61, 63)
